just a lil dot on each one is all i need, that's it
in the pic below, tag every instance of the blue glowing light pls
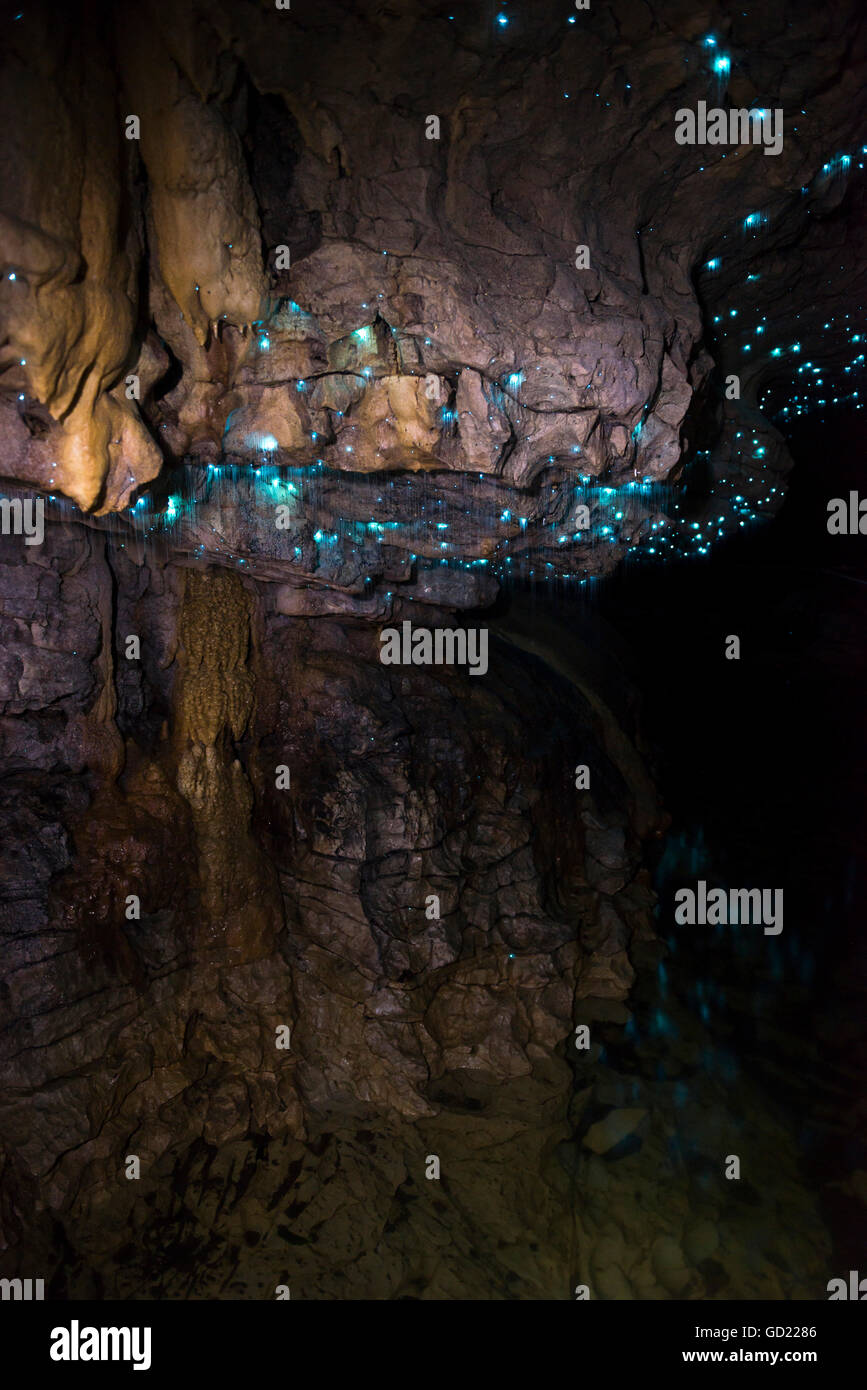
(722, 64)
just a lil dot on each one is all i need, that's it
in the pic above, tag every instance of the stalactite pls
(213, 703)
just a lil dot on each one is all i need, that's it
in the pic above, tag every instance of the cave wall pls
(307, 907)
(304, 906)
(251, 467)
(294, 273)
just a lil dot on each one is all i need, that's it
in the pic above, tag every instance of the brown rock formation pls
(280, 921)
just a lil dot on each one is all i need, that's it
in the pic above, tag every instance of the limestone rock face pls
(313, 323)
(295, 990)
(74, 232)
(204, 214)
(335, 279)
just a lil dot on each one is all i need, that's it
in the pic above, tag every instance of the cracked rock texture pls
(284, 371)
(152, 1030)
(296, 275)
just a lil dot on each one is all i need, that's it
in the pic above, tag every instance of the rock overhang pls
(419, 310)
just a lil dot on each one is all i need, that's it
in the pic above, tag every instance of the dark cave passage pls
(774, 794)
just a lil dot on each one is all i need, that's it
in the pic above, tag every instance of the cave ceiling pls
(367, 299)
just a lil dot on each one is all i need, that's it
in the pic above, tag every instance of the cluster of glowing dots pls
(671, 536)
(804, 401)
(616, 520)
(720, 62)
(815, 392)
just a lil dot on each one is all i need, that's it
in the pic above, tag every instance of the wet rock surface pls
(413, 1032)
(277, 269)
(281, 922)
